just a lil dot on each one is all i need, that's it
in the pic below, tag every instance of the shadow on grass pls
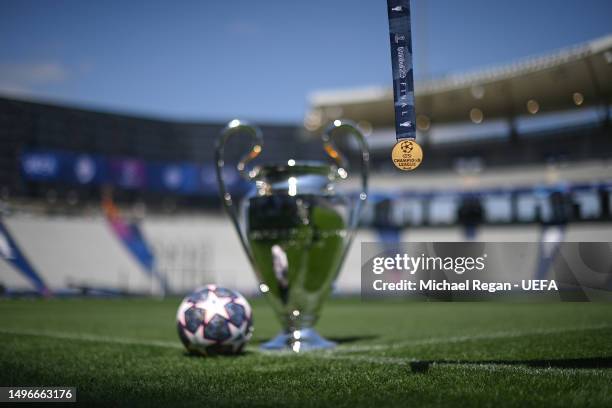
(351, 339)
(577, 363)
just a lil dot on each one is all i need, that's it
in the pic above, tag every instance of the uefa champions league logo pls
(407, 146)
(406, 154)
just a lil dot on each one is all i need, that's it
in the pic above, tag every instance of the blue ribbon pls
(401, 63)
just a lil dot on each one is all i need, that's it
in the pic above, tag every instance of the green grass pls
(127, 353)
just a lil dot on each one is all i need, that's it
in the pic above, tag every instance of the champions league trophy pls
(295, 228)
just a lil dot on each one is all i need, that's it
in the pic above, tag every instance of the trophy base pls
(298, 341)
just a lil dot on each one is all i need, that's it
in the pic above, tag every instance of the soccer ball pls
(214, 320)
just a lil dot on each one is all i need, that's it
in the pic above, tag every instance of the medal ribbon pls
(401, 64)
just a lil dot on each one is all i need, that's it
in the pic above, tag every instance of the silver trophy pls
(296, 228)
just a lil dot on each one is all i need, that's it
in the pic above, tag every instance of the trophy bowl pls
(295, 228)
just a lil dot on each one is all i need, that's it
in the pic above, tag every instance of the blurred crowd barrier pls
(82, 255)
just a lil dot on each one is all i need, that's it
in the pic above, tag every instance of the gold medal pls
(407, 154)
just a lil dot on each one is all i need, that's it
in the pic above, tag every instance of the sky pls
(259, 60)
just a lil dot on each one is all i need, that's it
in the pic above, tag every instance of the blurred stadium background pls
(108, 203)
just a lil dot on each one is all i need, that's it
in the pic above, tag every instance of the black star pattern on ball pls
(222, 292)
(198, 296)
(193, 319)
(217, 329)
(237, 313)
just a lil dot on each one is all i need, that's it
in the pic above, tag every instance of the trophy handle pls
(341, 162)
(234, 127)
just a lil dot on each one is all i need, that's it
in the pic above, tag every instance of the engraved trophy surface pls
(295, 228)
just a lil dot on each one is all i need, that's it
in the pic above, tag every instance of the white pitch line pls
(92, 338)
(467, 338)
(333, 354)
(328, 355)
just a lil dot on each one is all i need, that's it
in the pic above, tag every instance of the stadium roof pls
(576, 76)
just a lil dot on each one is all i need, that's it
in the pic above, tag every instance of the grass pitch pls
(127, 353)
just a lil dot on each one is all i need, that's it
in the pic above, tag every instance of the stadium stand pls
(506, 141)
